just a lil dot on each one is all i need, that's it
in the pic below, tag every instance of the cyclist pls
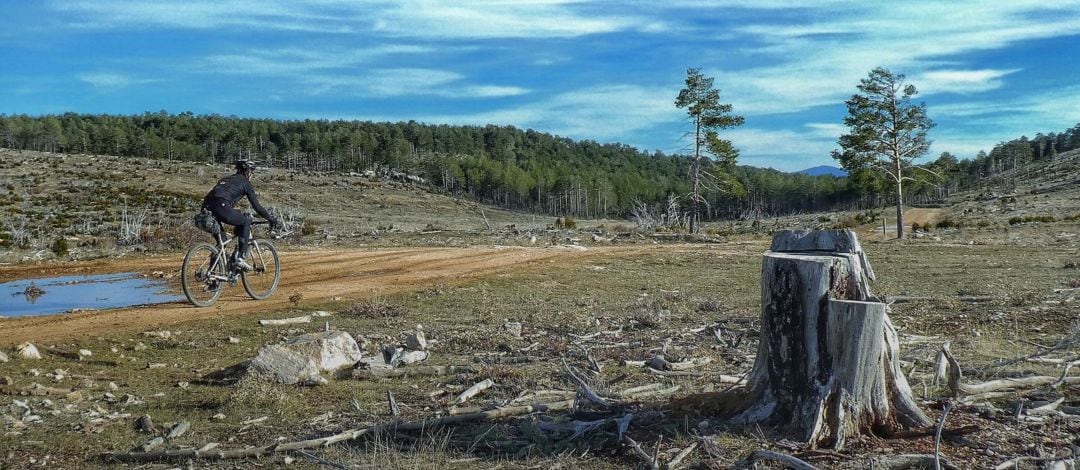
(220, 201)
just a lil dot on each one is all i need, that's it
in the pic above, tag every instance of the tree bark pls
(827, 365)
(899, 201)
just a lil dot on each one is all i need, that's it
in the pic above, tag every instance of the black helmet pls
(245, 165)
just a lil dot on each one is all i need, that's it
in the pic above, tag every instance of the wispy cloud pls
(384, 83)
(472, 19)
(298, 61)
(606, 112)
(962, 81)
(819, 64)
(109, 80)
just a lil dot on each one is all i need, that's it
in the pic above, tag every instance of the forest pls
(501, 165)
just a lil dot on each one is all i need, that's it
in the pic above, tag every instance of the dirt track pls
(316, 275)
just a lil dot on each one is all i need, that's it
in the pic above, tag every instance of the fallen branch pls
(908, 461)
(789, 461)
(937, 436)
(1050, 462)
(677, 460)
(474, 390)
(363, 374)
(39, 390)
(286, 321)
(586, 390)
(641, 454)
(1032, 381)
(348, 435)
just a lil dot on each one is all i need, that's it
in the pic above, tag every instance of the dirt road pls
(318, 276)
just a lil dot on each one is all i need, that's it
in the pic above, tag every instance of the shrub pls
(567, 223)
(948, 223)
(1030, 218)
(60, 247)
(309, 227)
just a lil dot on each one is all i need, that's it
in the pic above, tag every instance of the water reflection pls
(61, 294)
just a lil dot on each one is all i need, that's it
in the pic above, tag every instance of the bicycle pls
(206, 270)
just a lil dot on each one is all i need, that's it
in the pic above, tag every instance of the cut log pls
(827, 366)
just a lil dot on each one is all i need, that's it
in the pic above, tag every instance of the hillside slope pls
(94, 201)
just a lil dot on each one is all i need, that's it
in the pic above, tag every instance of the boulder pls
(28, 351)
(283, 365)
(330, 350)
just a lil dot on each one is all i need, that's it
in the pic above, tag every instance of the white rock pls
(331, 350)
(3, 357)
(28, 351)
(85, 353)
(234, 340)
(416, 341)
(284, 365)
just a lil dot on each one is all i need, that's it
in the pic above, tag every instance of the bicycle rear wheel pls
(203, 275)
(262, 280)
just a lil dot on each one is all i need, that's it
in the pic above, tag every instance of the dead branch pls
(898, 462)
(937, 436)
(474, 390)
(586, 390)
(39, 390)
(286, 321)
(789, 461)
(392, 403)
(1018, 382)
(954, 374)
(1049, 462)
(348, 435)
(677, 460)
(363, 374)
(674, 373)
(641, 454)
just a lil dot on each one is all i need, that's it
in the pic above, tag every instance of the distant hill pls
(824, 170)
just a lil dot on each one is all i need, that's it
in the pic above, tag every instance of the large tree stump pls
(827, 365)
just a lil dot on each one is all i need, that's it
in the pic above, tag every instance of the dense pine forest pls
(501, 165)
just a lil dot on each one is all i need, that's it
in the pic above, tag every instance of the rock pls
(416, 341)
(85, 353)
(145, 424)
(392, 355)
(234, 340)
(284, 365)
(28, 351)
(152, 444)
(178, 430)
(3, 357)
(514, 328)
(412, 357)
(218, 417)
(139, 346)
(113, 386)
(331, 350)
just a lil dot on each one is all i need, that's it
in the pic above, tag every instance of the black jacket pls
(230, 189)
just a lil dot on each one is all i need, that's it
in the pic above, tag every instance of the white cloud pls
(821, 63)
(465, 19)
(384, 83)
(108, 80)
(608, 112)
(298, 61)
(961, 81)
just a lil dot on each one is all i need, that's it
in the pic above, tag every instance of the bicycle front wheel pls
(262, 280)
(203, 275)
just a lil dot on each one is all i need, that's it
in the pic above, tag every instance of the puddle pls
(47, 296)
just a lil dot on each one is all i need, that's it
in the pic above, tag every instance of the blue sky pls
(604, 70)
